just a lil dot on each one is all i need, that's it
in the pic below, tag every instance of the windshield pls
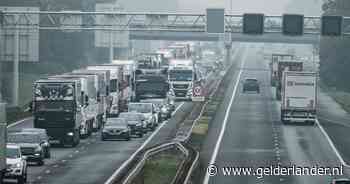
(130, 117)
(23, 138)
(58, 106)
(180, 75)
(12, 152)
(115, 122)
(53, 91)
(141, 108)
(114, 85)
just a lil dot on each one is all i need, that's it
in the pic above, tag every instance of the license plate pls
(54, 141)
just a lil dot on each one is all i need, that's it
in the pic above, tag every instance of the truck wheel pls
(76, 140)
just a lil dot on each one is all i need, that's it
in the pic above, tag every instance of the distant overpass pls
(236, 37)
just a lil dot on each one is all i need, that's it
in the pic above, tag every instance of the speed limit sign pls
(197, 91)
(197, 94)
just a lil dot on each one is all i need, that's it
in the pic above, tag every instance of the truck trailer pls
(115, 86)
(299, 97)
(286, 65)
(274, 66)
(99, 100)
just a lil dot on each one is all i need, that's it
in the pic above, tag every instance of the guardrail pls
(130, 171)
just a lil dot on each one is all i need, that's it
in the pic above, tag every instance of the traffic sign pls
(215, 20)
(253, 23)
(331, 25)
(293, 24)
(197, 93)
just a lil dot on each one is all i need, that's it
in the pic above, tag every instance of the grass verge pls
(341, 97)
(162, 169)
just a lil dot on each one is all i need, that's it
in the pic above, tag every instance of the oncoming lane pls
(253, 136)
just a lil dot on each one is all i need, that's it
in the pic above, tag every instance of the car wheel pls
(21, 179)
(128, 138)
(41, 162)
(140, 135)
(48, 153)
(153, 127)
(103, 138)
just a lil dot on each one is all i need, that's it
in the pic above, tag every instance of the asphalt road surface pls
(93, 160)
(247, 132)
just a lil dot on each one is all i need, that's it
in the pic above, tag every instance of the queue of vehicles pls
(121, 100)
(295, 88)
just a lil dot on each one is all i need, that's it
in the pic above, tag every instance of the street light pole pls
(16, 69)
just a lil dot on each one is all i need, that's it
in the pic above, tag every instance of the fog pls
(271, 7)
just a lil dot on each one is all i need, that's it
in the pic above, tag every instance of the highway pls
(93, 160)
(247, 132)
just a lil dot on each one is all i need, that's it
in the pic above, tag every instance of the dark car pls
(31, 145)
(341, 181)
(116, 128)
(251, 85)
(135, 122)
(44, 138)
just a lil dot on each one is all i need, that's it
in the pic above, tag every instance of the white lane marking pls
(125, 163)
(335, 150)
(19, 122)
(223, 128)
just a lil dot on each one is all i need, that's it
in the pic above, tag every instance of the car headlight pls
(164, 110)
(139, 124)
(17, 165)
(104, 130)
(70, 134)
(125, 130)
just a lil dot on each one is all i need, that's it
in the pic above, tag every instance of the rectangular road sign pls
(215, 20)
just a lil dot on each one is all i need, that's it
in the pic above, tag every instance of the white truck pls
(299, 97)
(2, 141)
(100, 87)
(181, 77)
(128, 78)
(88, 104)
(115, 86)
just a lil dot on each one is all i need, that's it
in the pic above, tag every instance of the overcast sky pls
(239, 6)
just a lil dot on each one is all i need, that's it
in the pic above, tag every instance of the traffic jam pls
(119, 101)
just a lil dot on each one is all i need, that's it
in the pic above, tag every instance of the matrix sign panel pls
(215, 20)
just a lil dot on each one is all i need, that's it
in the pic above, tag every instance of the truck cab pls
(57, 109)
(181, 76)
(89, 109)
